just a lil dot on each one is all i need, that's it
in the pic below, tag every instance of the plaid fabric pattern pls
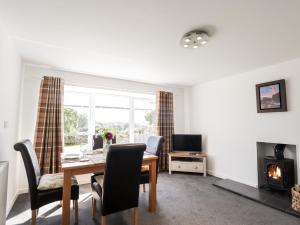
(165, 124)
(48, 132)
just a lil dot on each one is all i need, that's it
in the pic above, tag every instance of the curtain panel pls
(49, 127)
(165, 124)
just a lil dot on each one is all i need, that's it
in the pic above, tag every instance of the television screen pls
(187, 142)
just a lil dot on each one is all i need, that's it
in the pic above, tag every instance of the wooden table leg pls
(170, 165)
(152, 186)
(66, 198)
(204, 166)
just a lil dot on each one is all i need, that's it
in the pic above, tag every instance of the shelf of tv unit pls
(187, 162)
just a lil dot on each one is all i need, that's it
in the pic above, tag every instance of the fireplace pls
(278, 157)
(279, 173)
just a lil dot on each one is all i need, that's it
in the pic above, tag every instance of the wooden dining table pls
(96, 164)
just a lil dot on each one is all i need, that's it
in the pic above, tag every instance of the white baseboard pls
(225, 176)
(23, 191)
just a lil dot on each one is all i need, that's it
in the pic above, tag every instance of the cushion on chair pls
(145, 168)
(52, 181)
(99, 179)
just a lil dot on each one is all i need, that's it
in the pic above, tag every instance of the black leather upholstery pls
(154, 147)
(98, 141)
(39, 198)
(120, 189)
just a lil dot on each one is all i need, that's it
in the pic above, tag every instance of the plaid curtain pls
(48, 132)
(165, 124)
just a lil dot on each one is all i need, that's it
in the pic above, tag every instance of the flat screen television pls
(187, 142)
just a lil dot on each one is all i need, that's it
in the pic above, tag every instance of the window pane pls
(114, 119)
(144, 125)
(75, 128)
(112, 101)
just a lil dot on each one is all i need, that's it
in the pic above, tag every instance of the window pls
(76, 120)
(144, 117)
(130, 116)
(112, 112)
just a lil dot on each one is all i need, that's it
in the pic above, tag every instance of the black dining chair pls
(154, 147)
(118, 188)
(98, 141)
(42, 196)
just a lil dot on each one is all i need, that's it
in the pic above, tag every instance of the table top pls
(95, 159)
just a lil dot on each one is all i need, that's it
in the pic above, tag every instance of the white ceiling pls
(139, 39)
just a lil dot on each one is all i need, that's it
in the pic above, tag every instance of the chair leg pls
(144, 188)
(33, 216)
(103, 220)
(136, 216)
(94, 202)
(76, 211)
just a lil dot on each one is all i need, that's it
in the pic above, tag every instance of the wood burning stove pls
(279, 173)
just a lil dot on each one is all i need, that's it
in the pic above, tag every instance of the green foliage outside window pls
(75, 127)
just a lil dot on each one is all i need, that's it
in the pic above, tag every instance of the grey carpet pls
(183, 199)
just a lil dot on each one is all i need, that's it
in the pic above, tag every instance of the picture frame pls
(271, 97)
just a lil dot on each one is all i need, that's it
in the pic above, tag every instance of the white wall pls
(32, 79)
(10, 80)
(224, 111)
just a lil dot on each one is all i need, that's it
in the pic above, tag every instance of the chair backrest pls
(122, 177)
(98, 141)
(31, 165)
(114, 140)
(155, 145)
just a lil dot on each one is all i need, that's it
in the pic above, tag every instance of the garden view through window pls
(87, 111)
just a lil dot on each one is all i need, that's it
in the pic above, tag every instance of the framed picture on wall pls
(271, 97)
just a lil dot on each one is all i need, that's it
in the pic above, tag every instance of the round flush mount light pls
(194, 39)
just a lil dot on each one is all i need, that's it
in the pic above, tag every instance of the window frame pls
(93, 93)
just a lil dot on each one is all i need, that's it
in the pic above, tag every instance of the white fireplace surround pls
(266, 149)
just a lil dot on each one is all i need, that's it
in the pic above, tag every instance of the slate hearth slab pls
(267, 197)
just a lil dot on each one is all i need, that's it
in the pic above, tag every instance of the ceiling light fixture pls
(194, 39)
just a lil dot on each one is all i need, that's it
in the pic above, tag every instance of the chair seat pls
(44, 197)
(53, 181)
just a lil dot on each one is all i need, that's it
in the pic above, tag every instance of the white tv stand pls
(196, 162)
